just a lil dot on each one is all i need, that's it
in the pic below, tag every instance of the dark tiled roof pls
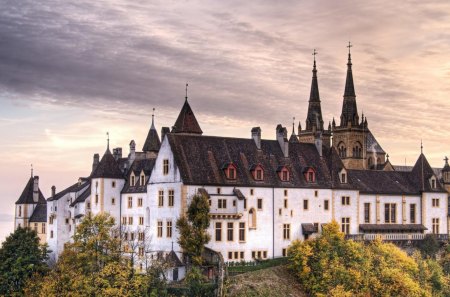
(391, 227)
(152, 142)
(238, 194)
(421, 173)
(40, 213)
(381, 182)
(372, 144)
(186, 121)
(73, 188)
(314, 117)
(27, 194)
(83, 196)
(200, 160)
(308, 228)
(138, 165)
(108, 167)
(173, 259)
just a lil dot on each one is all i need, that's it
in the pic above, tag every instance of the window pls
(305, 204)
(433, 183)
(345, 226)
(160, 229)
(342, 150)
(389, 212)
(139, 202)
(130, 202)
(230, 231)
(88, 205)
(142, 180)
(285, 193)
(36, 225)
(241, 231)
(326, 205)
(280, 211)
(230, 255)
(169, 229)
(285, 203)
(357, 150)
(252, 218)
(435, 222)
(218, 231)
(51, 233)
(345, 200)
(165, 166)
(343, 178)
(412, 213)
(124, 220)
(219, 191)
(257, 172)
(67, 221)
(132, 180)
(171, 197)
(435, 202)
(242, 255)
(125, 236)
(316, 193)
(141, 236)
(96, 199)
(230, 171)
(366, 213)
(131, 236)
(260, 204)
(141, 220)
(286, 231)
(113, 184)
(20, 211)
(234, 202)
(251, 192)
(113, 201)
(141, 254)
(310, 177)
(130, 220)
(284, 252)
(161, 198)
(50, 220)
(245, 203)
(222, 203)
(283, 173)
(43, 228)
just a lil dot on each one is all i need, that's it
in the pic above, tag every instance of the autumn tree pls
(193, 227)
(21, 257)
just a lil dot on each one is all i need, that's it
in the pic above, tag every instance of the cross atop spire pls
(186, 91)
(314, 54)
(293, 123)
(446, 160)
(349, 46)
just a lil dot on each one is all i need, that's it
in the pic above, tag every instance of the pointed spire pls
(293, 138)
(299, 128)
(349, 109)
(31, 170)
(446, 166)
(421, 147)
(349, 87)
(314, 117)
(186, 121)
(152, 142)
(107, 146)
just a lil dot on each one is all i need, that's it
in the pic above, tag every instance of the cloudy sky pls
(71, 72)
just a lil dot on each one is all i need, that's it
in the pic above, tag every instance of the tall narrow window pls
(141, 220)
(412, 213)
(130, 220)
(218, 231)
(43, 228)
(161, 198)
(305, 204)
(139, 202)
(435, 222)
(345, 226)
(286, 231)
(260, 204)
(367, 213)
(132, 180)
(160, 228)
(245, 203)
(165, 166)
(435, 202)
(130, 202)
(169, 229)
(390, 213)
(142, 180)
(20, 211)
(171, 197)
(241, 231)
(285, 203)
(230, 231)
(326, 205)
(252, 218)
(345, 200)
(36, 227)
(222, 203)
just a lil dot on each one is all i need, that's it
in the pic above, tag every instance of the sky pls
(70, 72)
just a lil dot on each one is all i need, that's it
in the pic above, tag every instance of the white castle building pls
(263, 193)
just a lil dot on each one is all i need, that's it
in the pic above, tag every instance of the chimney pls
(256, 135)
(318, 142)
(117, 153)
(164, 131)
(132, 154)
(95, 161)
(36, 189)
(283, 140)
(53, 191)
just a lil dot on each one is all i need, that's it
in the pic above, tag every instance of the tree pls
(21, 257)
(429, 246)
(193, 229)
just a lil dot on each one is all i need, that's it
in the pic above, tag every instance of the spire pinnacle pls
(421, 146)
(153, 119)
(186, 91)
(293, 123)
(314, 116)
(446, 160)
(107, 135)
(31, 170)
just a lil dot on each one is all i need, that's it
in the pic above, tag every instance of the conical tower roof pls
(186, 121)
(152, 142)
(108, 167)
(27, 194)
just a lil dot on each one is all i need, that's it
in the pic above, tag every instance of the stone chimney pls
(95, 161)
(318, 142)
(36, 189)
(283, 140)
(132, 154)
(53, 191)
(256, 135)
(117, 153)
(164, 131)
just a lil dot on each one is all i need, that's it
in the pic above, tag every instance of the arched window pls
(378, 161)
(147, 217)
(252, 218)
(342, 150)
(357, 150)
(370, 161)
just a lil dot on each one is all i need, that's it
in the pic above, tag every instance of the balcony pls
(394, 236)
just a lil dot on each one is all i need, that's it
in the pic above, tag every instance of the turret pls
(349, 115)
(314, 121)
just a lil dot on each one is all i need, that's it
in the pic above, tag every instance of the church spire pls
(314, 117)
(349, 113)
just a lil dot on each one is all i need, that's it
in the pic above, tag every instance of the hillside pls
(274, 282)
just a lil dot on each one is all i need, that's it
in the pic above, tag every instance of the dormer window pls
(343, 176)
(132, 179)
(142, 179)
(283, 173)
(433, 182)
(310, 175)
(257, 172)
(230, 170)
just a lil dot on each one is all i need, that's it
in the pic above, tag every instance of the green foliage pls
(332, 266)
(21, 257)
(429, 246)
(193, 229)
(197, 284)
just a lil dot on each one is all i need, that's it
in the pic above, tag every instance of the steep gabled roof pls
(40, 213)
(77, 187)
(27, 194)
(83, 196)
(137, 167)
(108, 167)
(421, 173)
(186, 121)
(152, 142)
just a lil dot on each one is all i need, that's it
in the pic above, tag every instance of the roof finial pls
(349, 46)
(186, 91)
(107, 134)
(293, 123)
(31, 170)
(153, 117)
(446, 160)
(314, 54)
(421, 147)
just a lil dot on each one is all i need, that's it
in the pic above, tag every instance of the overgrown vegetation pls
(332, 266)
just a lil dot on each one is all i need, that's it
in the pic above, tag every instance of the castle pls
(263, 194)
